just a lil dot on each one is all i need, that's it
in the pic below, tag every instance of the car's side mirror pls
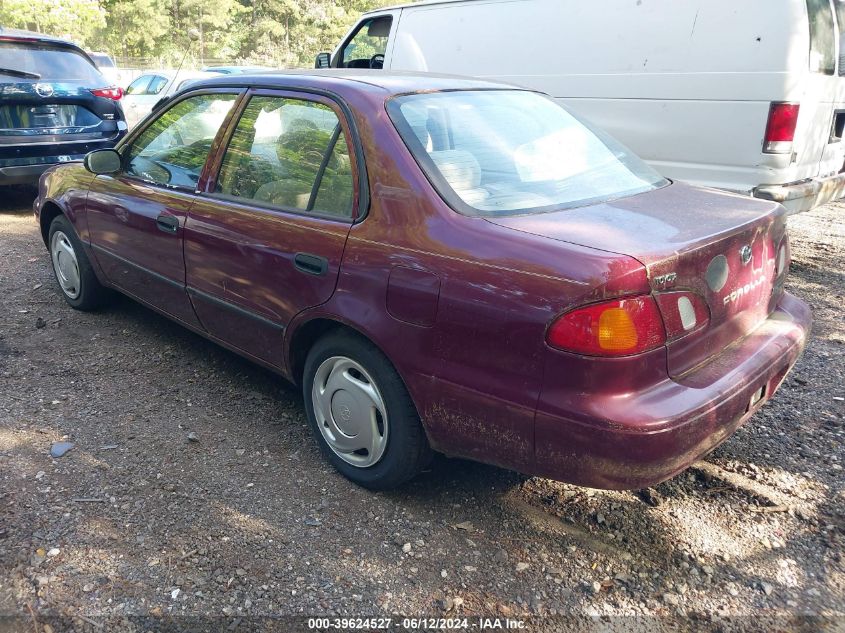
(102, 161)
(324, 60)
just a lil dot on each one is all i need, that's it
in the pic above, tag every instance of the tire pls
(359, 391)
(72, 269)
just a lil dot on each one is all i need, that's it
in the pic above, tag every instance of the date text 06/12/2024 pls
(415, 624)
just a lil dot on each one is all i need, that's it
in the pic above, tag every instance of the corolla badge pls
(743, 291)
(44, 90)
(745, 254)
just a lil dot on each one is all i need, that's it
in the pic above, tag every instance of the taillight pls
(683, 312)
(115, 93)
(780, 128)
(620, 327)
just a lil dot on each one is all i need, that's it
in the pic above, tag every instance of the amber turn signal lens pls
(620, 327)
(617, 330)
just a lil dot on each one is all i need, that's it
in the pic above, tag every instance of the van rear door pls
(833, 157)
(819, 150)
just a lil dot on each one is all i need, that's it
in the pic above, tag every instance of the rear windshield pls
(102, 61)
(51, 63)
(506, 152)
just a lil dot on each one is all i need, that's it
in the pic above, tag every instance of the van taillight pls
(780, 129)
(620, 327)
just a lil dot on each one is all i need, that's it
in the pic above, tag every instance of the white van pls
(744, 95)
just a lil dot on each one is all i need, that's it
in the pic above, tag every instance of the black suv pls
(55, 106)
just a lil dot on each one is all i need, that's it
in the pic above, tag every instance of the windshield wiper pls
(24, 74)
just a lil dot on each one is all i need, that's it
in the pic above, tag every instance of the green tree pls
(270, 32)
(135, 29)
(79, 20)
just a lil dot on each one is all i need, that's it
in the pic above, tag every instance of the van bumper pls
(804, 195)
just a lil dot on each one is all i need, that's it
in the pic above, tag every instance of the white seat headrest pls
(460, 168)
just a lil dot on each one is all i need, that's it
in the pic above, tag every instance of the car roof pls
(183, 74)
(390, 82)
(30, 36)
(235, 67)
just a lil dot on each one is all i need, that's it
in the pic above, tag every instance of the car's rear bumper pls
(24, 164)
(639, 438)
(805, 195)
(22, 174)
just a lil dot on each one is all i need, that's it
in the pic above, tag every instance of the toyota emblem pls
(745, 254)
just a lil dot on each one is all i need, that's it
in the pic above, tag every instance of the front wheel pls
(361, 413)
(73, 271)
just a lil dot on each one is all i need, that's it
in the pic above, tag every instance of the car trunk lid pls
(720, 246)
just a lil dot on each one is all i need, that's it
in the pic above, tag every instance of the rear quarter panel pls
(475, 373)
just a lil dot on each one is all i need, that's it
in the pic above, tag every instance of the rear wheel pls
(361, 413)
(73, 271)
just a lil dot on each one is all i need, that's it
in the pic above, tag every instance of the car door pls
(265, 240)
(132, 99)
(136, 216)
(139, 103)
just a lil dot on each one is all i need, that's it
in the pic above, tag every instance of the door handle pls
(167, 223)
(311, 264)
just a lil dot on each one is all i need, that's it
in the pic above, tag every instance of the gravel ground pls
(194, 492)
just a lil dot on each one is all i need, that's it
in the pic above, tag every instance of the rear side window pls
(367, 46)
(50, 63)
(291, 154)
(157, 85)
(822, 37)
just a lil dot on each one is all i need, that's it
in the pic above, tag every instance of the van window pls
(822, 36)
(839, 5)
(367, 46)
(506, 152)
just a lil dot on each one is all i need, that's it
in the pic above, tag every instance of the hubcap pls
(65, 264)
(350, 411)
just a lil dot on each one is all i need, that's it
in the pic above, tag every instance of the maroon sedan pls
(441, 264)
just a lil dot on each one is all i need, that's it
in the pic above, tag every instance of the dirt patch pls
(248, 521)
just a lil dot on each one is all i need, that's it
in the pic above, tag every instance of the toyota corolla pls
(441, 264)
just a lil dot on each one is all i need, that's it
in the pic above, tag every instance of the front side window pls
(139, 86)
(367, 46)
(173, 149)
(503, 152)
(822, 35)
(291, 154)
